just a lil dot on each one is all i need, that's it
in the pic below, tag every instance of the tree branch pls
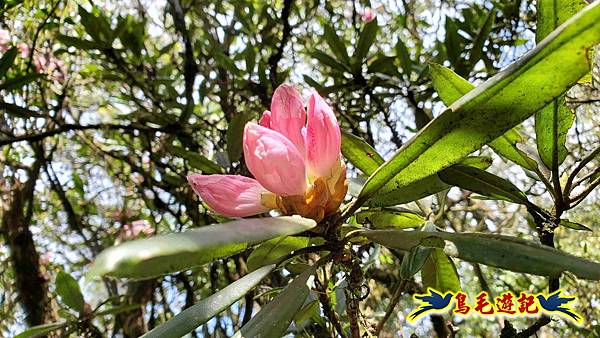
(287, 29)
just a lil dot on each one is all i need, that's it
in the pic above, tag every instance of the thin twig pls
(390, 309)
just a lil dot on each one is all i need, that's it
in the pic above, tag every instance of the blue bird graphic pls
(554, 303)
(431, 302)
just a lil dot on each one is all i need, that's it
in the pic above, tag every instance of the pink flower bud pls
(274, 160)
(4, 40)
(229, 195)
(288, 115)
(323, 138)
(24, 49)
(368, 15)
(46, 258)
(40, 64)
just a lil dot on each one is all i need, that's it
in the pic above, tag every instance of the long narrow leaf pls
(198, 314)
(41, 330)
(482, 182)
(274, 318)
(501, 251)
(494, 107)
(158, 255)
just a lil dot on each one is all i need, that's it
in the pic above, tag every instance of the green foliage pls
(439, 272)
(450, 87)
(275, 317)
(501, 251)
(146, 258)
(494, 107)
(482, 182)
(360, 153)
(192, 317)
(365, 41)
(68, 290)
(554, 121)
(41, 330)
(389, 218)
(271, 250)
(116, 105)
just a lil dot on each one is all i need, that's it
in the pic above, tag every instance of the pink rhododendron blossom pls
(4, 40)
(295, 158)
(40, 63)
(288, 116)
(135, 229)
(265, 119)
(229, 195)
(51, 66)
(274, 160)
(368, 15)
(46, 258)
(24, 49)
(323, 138)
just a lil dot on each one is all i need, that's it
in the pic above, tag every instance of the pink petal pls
(368, 15)
(265, 119)
(274, 161)
(24, 49)
(323, 138)
(229, 195)
(288, 115)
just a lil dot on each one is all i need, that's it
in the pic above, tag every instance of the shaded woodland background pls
(114, 103)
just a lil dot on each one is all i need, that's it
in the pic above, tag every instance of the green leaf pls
(118, 309)
(500, 251)
(448, 85)
(365, 41)
(414, 261)
(329, 61)
(495, 107)
(96, 26)
(19, 81)
(78, 42)
(404, 55)
(159, 255)
(194, 159)
(198, 314)
(439, 272)
(337, 46)
(41, 330)
(68, 290)
(573, 225)
(506, 146)
(308, 311)
(554, 121)
(482, 182)
(422, 188)
(383, 64)
(452, 43)
(552, 124)
(275, 317)
(234, 136)
(552, 13)
(269, 251)
(451, 87)
(250, 58)
(7, 61)
(360, 153)
(389, 218)
(482, 36)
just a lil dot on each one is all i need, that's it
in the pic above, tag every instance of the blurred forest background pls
(109, 105)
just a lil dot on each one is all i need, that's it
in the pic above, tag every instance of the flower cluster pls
(53, 67)
(294, 155)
